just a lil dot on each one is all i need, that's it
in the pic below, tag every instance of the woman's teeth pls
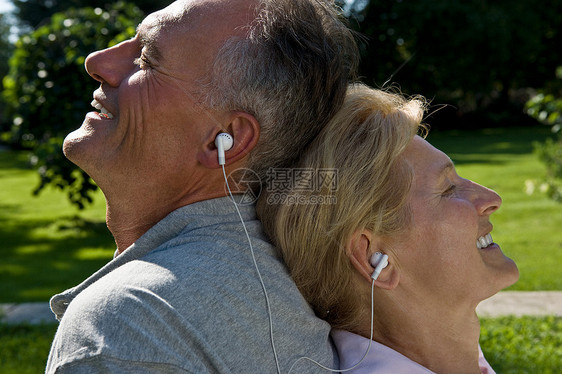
(484, 241)
(104, 112)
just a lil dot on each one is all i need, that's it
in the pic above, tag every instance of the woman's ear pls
(357, 249)
(245, 131)
(360, 247)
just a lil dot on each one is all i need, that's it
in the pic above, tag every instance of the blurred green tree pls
(35, 13)
(6, 49)
(468, 53)
(47, 90)
(546, 107)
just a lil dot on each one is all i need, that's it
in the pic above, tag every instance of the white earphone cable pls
(366, 352)
(259, 273)
(269, 307)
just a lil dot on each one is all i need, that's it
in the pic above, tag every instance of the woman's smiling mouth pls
(484, 241)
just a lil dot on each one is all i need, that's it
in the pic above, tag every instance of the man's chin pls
(80, 146)
(71, 143)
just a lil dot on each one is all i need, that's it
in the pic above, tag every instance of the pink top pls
(381, 359)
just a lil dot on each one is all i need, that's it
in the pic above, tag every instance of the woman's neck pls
(444, 340)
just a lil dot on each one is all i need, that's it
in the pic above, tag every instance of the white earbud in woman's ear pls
(379, 261)
(224, 142)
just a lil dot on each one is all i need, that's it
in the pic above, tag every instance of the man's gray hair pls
(290, 72)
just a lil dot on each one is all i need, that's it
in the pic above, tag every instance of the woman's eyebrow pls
(444, 169)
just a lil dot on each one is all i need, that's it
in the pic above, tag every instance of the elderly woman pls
(397, 195)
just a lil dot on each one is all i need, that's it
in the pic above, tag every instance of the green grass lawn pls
(528, 345)
(25, 348)
(511, 345)
(527, 227)
(46, 245)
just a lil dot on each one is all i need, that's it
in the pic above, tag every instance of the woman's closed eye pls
(450, 191)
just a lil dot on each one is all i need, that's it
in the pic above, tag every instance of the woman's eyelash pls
(450, 190)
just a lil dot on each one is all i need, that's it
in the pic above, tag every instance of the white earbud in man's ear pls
(224, 142)
(379, 261)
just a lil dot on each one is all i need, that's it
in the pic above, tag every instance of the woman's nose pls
(487, 201)
(113, 64)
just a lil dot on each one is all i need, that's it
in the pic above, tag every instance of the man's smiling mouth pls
(103, 112)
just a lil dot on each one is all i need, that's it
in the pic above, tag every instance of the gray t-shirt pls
(186, 298)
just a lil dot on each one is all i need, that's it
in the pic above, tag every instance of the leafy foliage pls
(47, 90)
(523, 344)
(473, 54)
(546, 107)
(6, 49)
(36, 13)
(468, 53)
(5, 46)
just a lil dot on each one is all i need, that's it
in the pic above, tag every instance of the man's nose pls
(113, 64)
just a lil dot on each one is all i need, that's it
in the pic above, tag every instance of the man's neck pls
(127, 224)
(132, 209)
(128, 220)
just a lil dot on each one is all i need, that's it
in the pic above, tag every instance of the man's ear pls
(360, 247)
(244, 129)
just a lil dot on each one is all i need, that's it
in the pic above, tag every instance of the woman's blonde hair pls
(311, 227)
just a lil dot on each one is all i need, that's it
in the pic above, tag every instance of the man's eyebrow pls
(148, 42)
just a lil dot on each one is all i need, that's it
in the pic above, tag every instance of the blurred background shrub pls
(482, 63)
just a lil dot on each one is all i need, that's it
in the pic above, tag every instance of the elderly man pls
(183, 293)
